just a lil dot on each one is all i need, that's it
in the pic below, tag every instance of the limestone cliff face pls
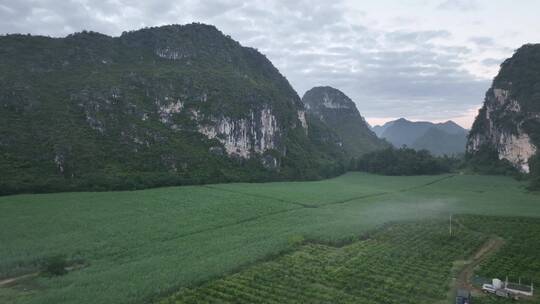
(509, 120)
(340, 114)
(242, 137)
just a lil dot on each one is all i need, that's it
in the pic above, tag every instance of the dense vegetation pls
(331, 107)
(486, 161)
(534, 164)
(139, 246)
(407, 262)
(518, 259)
(520, 77)
(403, 161)
(400, 264)
(93, 112)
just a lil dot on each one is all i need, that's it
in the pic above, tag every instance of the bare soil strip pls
(14, 280)
(464, 278)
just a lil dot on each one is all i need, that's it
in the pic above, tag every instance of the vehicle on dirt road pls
(463, 297)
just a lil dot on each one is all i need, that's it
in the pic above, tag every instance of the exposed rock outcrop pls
(256, 134)
(509, 121)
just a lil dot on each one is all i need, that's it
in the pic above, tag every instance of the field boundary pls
(342, 201)
(427, 184)
(362, 237)
(299, 206)
(242, 221)
(260, 196)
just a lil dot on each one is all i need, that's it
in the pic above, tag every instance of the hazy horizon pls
(418, 59)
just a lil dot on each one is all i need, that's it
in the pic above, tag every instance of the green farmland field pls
(144, 246)
(399, 263)
(395, 265)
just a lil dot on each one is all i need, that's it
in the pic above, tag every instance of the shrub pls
(55, 266)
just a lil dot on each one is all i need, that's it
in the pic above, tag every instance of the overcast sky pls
(419, 59)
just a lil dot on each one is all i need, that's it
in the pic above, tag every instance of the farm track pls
(463, 279)
(14, 280)
(10, 281)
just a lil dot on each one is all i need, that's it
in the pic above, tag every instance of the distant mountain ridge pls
(439, 138)
(336, 110)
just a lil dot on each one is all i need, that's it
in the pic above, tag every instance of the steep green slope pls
(158, 106)
(337, 111)
(509, 121)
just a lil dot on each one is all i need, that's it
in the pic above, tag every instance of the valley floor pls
(143, 246)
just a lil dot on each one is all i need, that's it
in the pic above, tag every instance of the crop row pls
(402, 263)
(519, 258)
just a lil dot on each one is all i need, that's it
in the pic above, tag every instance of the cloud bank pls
(396, 69)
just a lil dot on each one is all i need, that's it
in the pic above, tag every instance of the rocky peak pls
(327, 98)
(509, 121)
(339, 113)
(184, 42)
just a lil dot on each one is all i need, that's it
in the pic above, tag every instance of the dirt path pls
(10, 281)
(463, 280)
(464, 277)
(14, 280)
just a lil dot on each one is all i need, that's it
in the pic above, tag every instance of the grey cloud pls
(399, 73)
(416, 37)
(482, 41)
(492, 61)
(462, 5)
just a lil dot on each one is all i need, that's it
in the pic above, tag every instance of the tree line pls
(404, 161)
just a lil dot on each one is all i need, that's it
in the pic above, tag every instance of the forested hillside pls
(158, 106)
(339, 113)
(508, 125)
